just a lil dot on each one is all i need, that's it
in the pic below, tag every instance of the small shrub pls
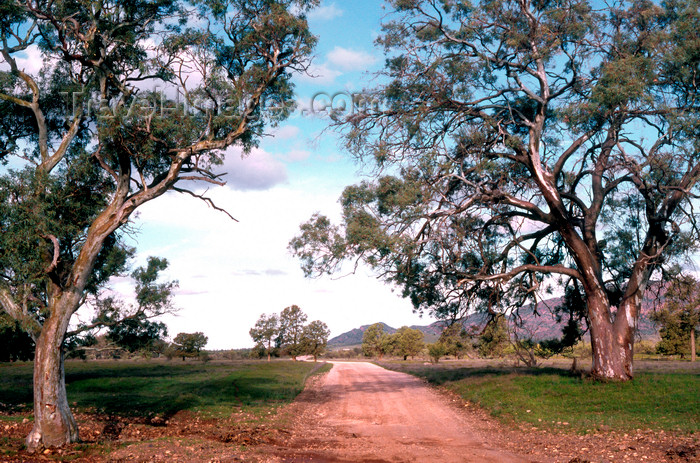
(436, 350)
(646, 347)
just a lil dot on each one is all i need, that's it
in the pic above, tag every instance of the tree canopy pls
(133, 99)
(315, 338)
(375, 341)
(292, 320)
(521, 144)
(265, 332)
(679, 317)
(456, 340)
(407, 342)
(189, 344)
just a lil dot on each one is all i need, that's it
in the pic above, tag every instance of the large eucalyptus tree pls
(521, 140)
(101, 129)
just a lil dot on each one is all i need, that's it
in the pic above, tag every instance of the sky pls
(230, 273)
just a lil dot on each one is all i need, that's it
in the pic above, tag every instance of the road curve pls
(362, 412)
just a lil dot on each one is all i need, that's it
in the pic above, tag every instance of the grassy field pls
(202, 409)
(152, 388)
(551, 397)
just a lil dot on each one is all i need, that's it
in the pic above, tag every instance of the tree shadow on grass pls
(166, 395)
(153, 389)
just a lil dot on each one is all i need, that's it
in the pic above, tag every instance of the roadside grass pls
(554, 398)
(154, 388)
(246, 394)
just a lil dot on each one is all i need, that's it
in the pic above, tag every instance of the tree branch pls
(207, 200)
(28, 321)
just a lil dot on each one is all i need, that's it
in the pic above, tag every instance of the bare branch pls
(207, 200)
(56, 253)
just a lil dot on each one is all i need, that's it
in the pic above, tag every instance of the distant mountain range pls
(538, 327)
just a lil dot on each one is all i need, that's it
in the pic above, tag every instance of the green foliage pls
(290, 339)
(679, 316)
(406, 342)
(645, 347)
(288, 333)
(520, 141)
(437, 350)
(88, 145)
(375, 342)
(130, 326)
(494, 338)
(189, 344)
(150, 295)
(265, 333)
(137, 335)
(456, 340)
(314, 338)
(30, 218)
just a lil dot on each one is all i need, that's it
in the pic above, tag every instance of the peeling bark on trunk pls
(612, 343)
(54, 424)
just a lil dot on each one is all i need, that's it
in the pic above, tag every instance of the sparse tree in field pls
(265, 332)
(138, 335)
(494, 339)
(679, 318)
(456, 340)
(189, 344)
(407, 342)
(520, 143)
(83, 145)
(315, 338)
(375, 342)
(292, 321)
(130, 327)
(436, 351)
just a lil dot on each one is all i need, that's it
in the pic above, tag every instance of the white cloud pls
(29, 61)
(297, 155)
(230, 272)
(325, 13)
(320, 74)
(350, 60)
(255, 171)
(286, 132)
(32, 62)
(338, 60)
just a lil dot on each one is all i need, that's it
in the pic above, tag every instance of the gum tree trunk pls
(692, 344)
(54, 424)
(613, 340)
(612, 353)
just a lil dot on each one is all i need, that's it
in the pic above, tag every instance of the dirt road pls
(361, 412)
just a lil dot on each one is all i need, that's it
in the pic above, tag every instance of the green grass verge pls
(164, 388)
(554, 398)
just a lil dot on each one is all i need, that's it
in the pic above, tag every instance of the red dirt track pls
(361, 412)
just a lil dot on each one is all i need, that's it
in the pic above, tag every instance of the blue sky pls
(230, 273)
